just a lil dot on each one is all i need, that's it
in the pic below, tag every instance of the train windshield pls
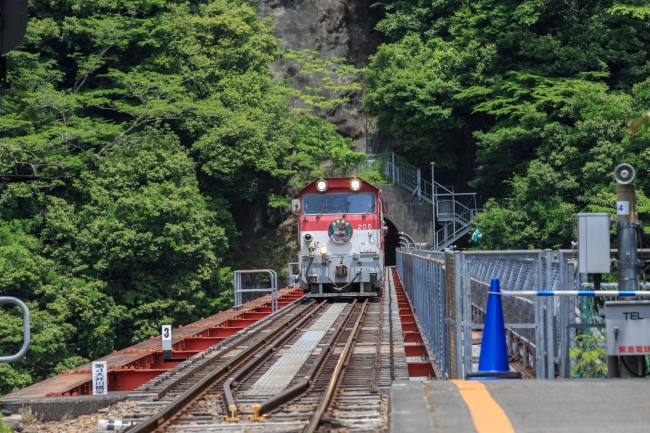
(344, 203)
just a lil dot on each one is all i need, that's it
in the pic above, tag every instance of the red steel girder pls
(420, 369)
(411, 334)
(415, 350)
(134, 366)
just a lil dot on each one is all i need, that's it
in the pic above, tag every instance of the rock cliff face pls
(336, 28)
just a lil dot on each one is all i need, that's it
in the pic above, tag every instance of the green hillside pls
(154, 125)
(528, 100)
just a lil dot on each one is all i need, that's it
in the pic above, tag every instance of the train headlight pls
(323, 250)
(355, 184)
(321, 185)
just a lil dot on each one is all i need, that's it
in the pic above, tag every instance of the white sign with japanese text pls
(100, 378)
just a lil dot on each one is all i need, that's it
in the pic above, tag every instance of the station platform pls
(521, 406)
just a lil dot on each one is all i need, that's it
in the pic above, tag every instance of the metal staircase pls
(453, 211)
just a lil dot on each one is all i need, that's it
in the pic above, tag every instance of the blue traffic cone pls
(493, 363)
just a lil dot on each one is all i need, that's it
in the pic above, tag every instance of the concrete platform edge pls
(408, 408)
(56, 408)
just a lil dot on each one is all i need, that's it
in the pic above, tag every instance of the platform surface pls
(527, 406)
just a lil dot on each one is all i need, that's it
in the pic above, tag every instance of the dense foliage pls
(538, 91)
(154, 124)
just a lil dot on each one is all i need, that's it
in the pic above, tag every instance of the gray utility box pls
(593, 243)
(627, 324)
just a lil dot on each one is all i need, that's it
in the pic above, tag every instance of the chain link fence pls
(519, 313)
(449, 292)
(581, 327)
(547, 336)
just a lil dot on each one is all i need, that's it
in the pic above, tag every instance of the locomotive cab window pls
(349, 203)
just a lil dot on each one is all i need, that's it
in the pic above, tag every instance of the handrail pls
(26, 329)
(273, 289)
(456, 215)
(456, 194)
(408, 238)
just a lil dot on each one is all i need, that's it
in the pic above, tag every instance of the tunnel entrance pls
(391, 243)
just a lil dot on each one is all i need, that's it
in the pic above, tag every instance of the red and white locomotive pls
(341, 236)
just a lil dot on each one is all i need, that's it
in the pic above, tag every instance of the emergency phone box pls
(627, 325)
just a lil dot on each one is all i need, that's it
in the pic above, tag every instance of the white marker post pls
(167, 342)
(100, 378)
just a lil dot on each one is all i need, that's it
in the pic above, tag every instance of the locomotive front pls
(341, 238)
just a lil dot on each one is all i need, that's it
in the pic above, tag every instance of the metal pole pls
(550, 304)
(539, 322)
(628, 273)
(458, 314)
(564, 322)
(467, 316)
(628, 278)
(434, 247)
(393, 160)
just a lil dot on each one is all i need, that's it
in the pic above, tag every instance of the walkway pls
(521, 406)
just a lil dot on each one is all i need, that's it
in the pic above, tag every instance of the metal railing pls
(449, 293)
(26, 329)
(548, 336)
(580, 329)
(424, 278)
(239, 290)
(455, 227)
(294, 273)
(453, 210)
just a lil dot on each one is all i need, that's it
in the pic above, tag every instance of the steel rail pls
(259, 359)
(337, 374)
(302, 387)
(188, 397)
(374, 384)
(194, 370)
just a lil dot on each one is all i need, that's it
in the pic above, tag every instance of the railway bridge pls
(396, 363)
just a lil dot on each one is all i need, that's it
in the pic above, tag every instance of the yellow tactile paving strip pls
(487, 415)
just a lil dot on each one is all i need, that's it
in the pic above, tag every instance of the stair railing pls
(453, 210)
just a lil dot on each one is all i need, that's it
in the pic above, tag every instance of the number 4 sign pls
(622, 208)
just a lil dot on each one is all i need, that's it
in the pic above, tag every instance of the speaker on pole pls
(624, 174)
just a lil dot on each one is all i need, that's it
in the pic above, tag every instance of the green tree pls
(152, 123)
(144, 229)
(323, 86)
(71, 318)
(536, 92)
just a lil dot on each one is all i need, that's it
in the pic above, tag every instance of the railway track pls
(312, 366)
